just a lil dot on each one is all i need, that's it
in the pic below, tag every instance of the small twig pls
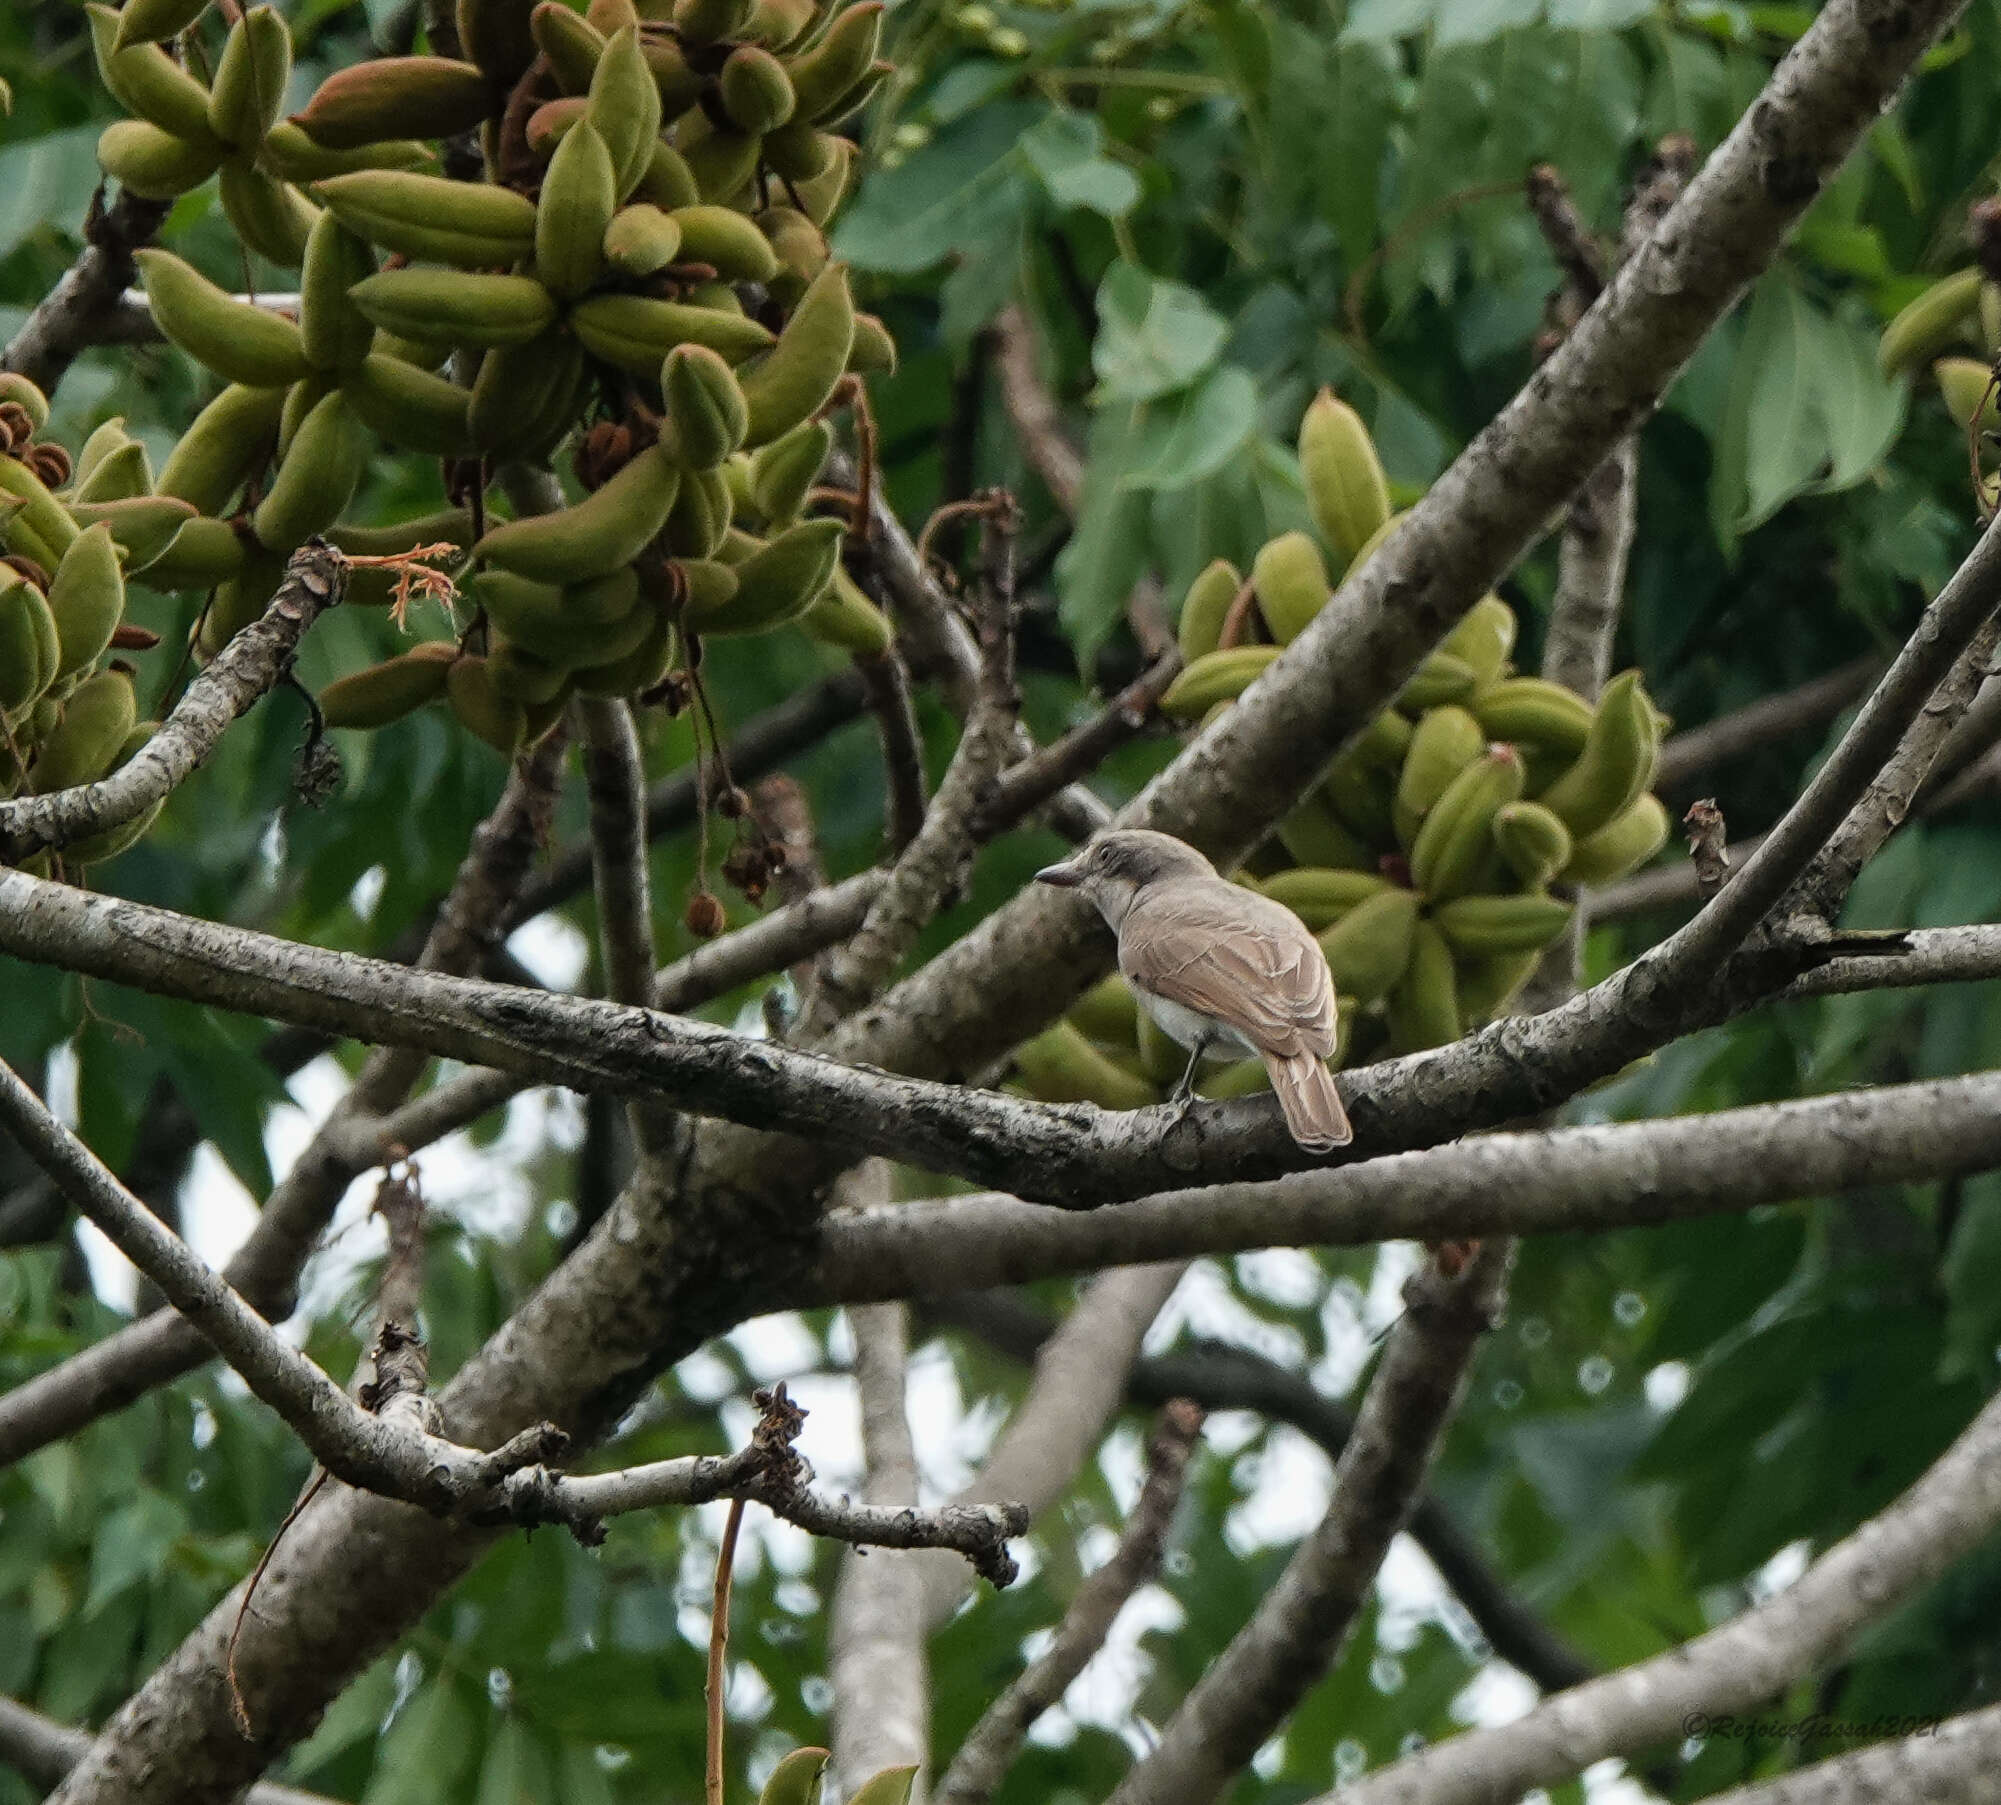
(1571, 242)
(990, 1750)
(888, 686)
(1706, 833)
(253, 663)
(719, 1638)
(1415, 226)
(1033, 412)
(1241, 619)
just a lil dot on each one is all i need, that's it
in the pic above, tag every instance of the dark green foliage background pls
(1206, 210)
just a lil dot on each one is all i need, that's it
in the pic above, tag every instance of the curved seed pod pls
(603, 531)
(95, 849)
(722, 163)
(1369, 947)
(1214, 677)
(1623, 844)
(388, 691)
(316, 478)
(201, 555)
(1361, 795)
(154, 21)
(450, 526)
(1967, 385)
(1060, 1066)
(823, 76)
(710, 21)
(778, 582)
(335, 333)
(394, 97)
(1291, 583)
(785, 470)
(1108, 1011)
(543, 621)
(678, 85)
(551, 120)
(24, 667)
(86, 600)
(520, 676)
(1483, 638)
(1443, 744)
(517, 389)
(481, 709)
(1204, 607)
(142, 526)
(639, 669)
(857, 97)
(873, 351)
(624, 110)
(1617, 762)
(799, 151)
(1457, 835)
(796, 380)
(1481, 926)
(154, 164)
(272, 218)
(1346, 491)
(778, 24)
(636, 332)
(801, 250)
(18, 389)
(148, 83)
(845, 617)
(495, 34)
(640, 239)
(1424, 1007)
(1319, 897)
(100, 712)
(1534, 843)
(700, 516)
(1488, 986)
(727, 241)
(1929, 324)
(40, 515)
(756, 92)
(1440, 678)
(456, 307)
(239, 342)
(570, 42)
(610, 16)
(106, 439)
(300, 400)
(603, 599)
(1385, 741)
(1534, 713)
(122, 475)
(290, 155)
(709, 584)
(667, 182)
(473, 224)
(410, 407)
(575, 208)
(223, 444)
(250, 80)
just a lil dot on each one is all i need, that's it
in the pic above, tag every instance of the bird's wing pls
(1257, 969)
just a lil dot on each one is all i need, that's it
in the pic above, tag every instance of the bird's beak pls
(1065, 876)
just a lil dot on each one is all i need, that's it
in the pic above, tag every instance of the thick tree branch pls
(42, 1750)
(1560, 1181)
(1739, 1665)
(990, 1750)
(245, 670)
(85, 302)
(1302, 1623)
(1950, 1763)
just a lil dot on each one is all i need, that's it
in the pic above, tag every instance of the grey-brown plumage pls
(1219, 968)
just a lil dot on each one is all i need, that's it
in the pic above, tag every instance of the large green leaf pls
(959, 189)
(1154, 335)
(1194, 434)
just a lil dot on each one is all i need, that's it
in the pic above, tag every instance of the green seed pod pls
(710, 21)
(148, 83)
(387, 692)
(482, 710)
(756, 92)
(796, 380)
(778, 582)
(390, 98)
(154, 21)
(271, 217)
(154, 164)
(707, 415)
(249, 91)
(100, 712)
(86, 600)
(640, 240)
(335, 333)
(241, 343)
(625, 111)
(668, 182)
(782, 472)
(824, 75)
(571, 217)
(201, 555)
(317, 477)
(410, 407)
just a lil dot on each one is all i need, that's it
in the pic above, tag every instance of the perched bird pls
(1221, 969)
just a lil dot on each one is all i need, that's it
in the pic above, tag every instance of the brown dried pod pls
(28, 568)
(732, 803)
(50, 462)
(704, 917)
(602, 453)
(17, 426)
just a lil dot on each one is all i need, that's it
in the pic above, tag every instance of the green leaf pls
(796, 1779)
(1107, 553)
(1196, 433)
(426, 1748)
(958, 190)
(1384, 21)
(129, 1543)
(890, 1787)
(517, 1769)
(1154, 335)
(1066, 152)
(46, 182)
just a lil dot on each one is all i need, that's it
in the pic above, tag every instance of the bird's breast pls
(1188, 1026)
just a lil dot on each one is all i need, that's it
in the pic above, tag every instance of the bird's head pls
(1117, 866)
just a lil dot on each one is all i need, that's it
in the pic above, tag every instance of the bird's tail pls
(1312, 1105)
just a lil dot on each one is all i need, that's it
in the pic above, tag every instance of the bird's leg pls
(1184, 1092)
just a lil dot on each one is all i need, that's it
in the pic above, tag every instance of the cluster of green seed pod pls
(1433, 860)
(69, 533)
(642, 271)
(1957, 314)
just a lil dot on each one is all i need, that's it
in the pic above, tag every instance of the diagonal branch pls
(42, 1750)
(1730, 736)
(990, 1750)
(78, 310)
(1949, 1763)
(246, 669)
(1946, 1514)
